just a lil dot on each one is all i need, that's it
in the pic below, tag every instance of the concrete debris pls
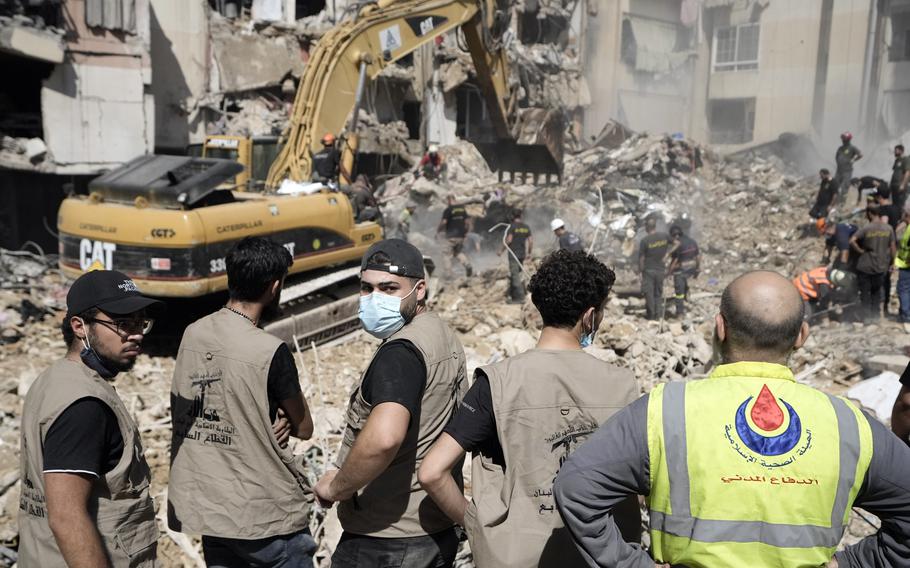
(24, 154)
(877, 394)
(389, 138)
(257, 115)
(27, 37)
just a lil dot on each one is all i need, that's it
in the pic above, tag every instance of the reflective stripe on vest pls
(902, 260)
(720, 497)
(808, 282)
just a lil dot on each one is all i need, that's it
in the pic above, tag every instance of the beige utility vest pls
(394, 505)
(546, 403)
(120, 503)
(229, 477)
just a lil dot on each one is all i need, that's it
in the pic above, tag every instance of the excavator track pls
(319, 309)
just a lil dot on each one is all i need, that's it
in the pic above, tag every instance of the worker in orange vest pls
(815, 286)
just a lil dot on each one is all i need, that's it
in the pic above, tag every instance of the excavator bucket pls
(537, 148)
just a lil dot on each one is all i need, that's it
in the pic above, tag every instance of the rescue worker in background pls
(651, 252)
(846, 155)
(327, 162)
(824, 200)
(567, 239)
(902, 264)
(406, 396)
(837, 237)
(890, 214)
(454, 225)
(432, 166)
(866, 186)
(404, 220)
(364, 202)
(685, 262)
(85, 482)
(522, 418)
(519, 242)
(900, 175)
(747, 467)
(816, 287)
(875, 247)
(235, 399)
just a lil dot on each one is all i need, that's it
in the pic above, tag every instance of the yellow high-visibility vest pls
(902, 260)
(750, 468)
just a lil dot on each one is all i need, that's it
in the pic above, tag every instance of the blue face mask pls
(380, 313)
(587, 339)
(93, 361)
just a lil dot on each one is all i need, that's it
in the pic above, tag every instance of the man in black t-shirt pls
(685, 262)
(867, 186)
(900, 175)
(454, 225)
(256, 270)
(106, 322)
(825, 197)
(651, 252)
(327, 162)
(519, 242)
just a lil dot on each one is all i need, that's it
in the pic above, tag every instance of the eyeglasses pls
(127, 327)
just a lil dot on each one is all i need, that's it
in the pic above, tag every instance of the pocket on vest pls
(136, 540)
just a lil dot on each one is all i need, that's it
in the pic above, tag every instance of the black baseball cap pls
(405, 259)
(110, 291)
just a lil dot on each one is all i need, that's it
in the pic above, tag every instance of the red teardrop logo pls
(766, 413)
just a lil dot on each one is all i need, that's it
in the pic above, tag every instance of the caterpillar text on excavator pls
(168, 221)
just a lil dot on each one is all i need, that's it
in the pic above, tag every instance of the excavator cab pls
(255, 154)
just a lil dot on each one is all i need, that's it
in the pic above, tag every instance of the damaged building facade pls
(76, 103)
(738, 73)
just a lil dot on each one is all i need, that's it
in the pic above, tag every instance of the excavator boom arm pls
(379, 35)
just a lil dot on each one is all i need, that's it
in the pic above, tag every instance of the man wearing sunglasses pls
(85, 482)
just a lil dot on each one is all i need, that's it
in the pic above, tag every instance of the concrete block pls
(29, 42)
(893, 363)
(35, 149)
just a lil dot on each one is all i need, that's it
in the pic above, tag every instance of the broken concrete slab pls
(893, 363)
(33, 43)
(245, 62)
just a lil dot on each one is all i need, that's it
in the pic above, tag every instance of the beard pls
(106, 361)
(273, 310)
(409, 310)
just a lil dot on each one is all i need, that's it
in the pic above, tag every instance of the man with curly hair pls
(524, 416)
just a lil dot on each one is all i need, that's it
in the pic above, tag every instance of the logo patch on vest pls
(770, 429)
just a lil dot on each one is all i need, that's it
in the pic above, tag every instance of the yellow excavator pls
(168, 221)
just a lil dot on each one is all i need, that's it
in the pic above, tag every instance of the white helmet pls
(556, 224)
(434, 149)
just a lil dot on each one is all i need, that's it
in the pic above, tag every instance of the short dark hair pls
(67, 329)
(253, 264)
(899, 147)
(746, 329)
(676, 230)
(567, 284)
(516, 213)
(884, 192)
(826, 171)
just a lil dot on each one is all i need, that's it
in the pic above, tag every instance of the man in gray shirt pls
(616, 461)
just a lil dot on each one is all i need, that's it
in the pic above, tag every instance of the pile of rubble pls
(746, 213)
